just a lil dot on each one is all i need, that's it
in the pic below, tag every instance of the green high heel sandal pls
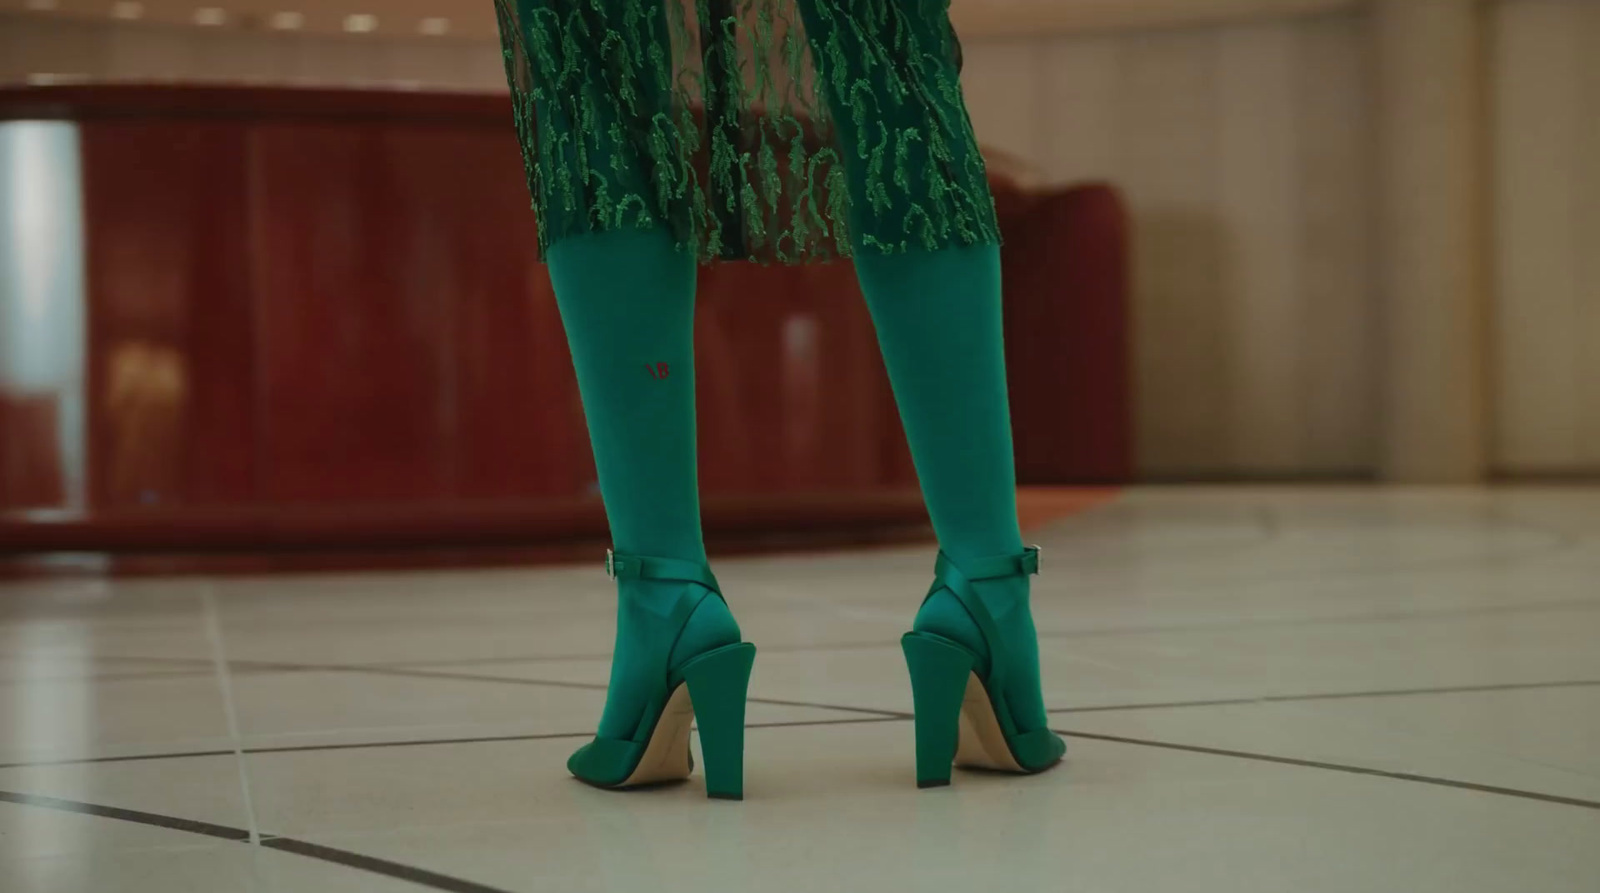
(959, 697)
(709, 687)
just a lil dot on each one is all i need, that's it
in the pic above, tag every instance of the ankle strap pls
(958, 579)
(1021, 564)
(623, 567)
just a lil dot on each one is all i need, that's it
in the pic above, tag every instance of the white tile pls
(201, 789)
(223, 868)
(1554, 728)
(276, 872)
(1392, 734)
(219, 868)
(836, 808)
(48, 720)
(409, 716)
(295, 709)
(387, 617)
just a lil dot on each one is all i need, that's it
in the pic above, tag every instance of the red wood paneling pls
(353, 339)
(171, 372)
(791, 390)
(517, 419)
(31, 472)
(321, 310)
(1069, 338)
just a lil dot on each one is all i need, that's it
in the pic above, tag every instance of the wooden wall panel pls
(353, 339)
(518, 421)
(465, 242)
(171, 315)
(31, 472)
(318, 316)
(1065, 433)
(788, 358)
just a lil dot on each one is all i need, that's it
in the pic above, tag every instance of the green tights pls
(627, 303)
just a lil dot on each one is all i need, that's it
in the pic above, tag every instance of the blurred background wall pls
(1546, 146)
(1283, 162)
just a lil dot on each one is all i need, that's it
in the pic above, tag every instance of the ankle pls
(712, 625)
(1006, 598)
(942, 614)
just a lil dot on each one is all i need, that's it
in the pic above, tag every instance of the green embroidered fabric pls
(782, 131)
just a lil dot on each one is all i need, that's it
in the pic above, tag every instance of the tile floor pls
(1263, 689)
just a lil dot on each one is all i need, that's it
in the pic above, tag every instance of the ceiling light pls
(127, 10)
(210, 15)
(434, 27)
(288, 21)
(360, 23)
(41, 5)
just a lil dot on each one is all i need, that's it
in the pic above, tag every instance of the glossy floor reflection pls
(1264, 689)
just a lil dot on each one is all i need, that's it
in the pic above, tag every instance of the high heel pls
(710, 686)
(962, 717)
(718, 682)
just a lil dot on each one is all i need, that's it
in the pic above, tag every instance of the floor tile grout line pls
(384, 867)
(219, 652)
(1439, 690)
(1381, 617)
(1586, 604)
(1420, 616)
(1154, 705)
(1337, 767)
(1336, 696)
(191, 826)
(474, 677)
(872, 715)
(106, 677)
(518, 680)
(867, 711)
(1310, 710)
(434, 880)
(129, 758)
(1094, 736)
(591, 686)
(876, 716)
(305, 849)
(420, 742)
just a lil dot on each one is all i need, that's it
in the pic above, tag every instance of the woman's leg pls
(939, 325)
(627, 303)
(626, 293)
(937, 310)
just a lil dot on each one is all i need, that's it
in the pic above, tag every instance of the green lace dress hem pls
(776, 131)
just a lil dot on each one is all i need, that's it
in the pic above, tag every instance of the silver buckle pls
(1038, 560)
(611, 564)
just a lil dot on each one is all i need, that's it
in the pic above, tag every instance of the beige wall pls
(1546, 141)
(31, 45)
(1244, 151)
